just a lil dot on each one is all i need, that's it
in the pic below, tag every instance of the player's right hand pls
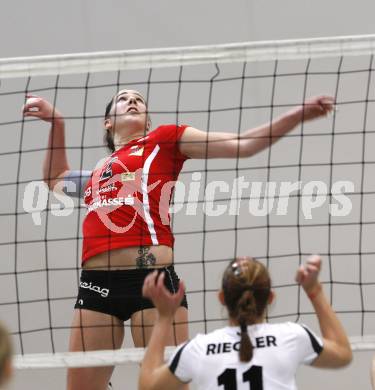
(307, 274)
(38, 107)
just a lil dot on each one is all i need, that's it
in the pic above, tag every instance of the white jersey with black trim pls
(212, 361)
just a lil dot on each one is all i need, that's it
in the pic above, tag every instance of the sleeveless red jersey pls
(128, 197)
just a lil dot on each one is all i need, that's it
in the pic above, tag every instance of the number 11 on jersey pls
(253, 376)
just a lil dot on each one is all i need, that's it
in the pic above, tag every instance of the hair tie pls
(236, 269)
(243, 328)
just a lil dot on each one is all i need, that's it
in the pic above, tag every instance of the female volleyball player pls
(248, 353)
(5, 356)
(126, 232)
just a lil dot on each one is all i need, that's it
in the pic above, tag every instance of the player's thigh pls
(93, 331)
(142, 323)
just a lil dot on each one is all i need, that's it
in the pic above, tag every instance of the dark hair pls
(246, 287)
(108, 136)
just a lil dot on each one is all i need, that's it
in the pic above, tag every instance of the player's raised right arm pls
(55, 166)
(336, 347)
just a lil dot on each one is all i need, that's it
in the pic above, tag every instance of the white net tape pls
(122, 356)
(83, 359)
(179, 56)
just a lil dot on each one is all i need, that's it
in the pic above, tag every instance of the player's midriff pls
(126, 258)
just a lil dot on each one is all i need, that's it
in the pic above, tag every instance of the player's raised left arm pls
(195, 143)
(154, 374)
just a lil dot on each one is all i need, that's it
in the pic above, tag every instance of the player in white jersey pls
(249, 353)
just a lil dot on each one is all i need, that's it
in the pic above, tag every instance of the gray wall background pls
(49, 27)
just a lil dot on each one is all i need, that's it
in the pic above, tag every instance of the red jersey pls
(128, 197)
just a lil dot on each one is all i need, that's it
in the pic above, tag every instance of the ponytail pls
(246, 314)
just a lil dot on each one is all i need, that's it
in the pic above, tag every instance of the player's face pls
(129, 107)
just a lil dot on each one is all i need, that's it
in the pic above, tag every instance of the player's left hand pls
(165, 302)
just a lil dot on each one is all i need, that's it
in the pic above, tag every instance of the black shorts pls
(119, 293)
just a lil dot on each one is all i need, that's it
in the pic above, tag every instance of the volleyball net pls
(312, 192)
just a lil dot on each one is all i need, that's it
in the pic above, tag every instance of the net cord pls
(123, 356)
(191, 55)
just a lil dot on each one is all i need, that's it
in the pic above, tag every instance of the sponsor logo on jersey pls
(105, 189)
(88, 192)
(107, 171)
(121, 201)
(128, 176)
